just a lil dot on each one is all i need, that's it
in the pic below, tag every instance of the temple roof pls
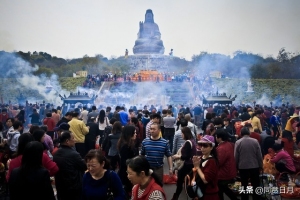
(77, 97)
(219, 98)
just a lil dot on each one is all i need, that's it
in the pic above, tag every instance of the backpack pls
(107, 131)
(106, 144)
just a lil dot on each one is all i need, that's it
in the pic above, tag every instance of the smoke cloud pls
(21, 72)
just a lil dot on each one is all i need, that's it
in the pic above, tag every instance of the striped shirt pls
(155, 150)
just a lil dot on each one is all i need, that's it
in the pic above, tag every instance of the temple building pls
(148, 38)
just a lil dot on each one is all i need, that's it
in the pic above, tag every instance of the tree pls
(283, 56)
(43, 70)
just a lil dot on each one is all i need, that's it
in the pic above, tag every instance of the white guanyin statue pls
(250, 86)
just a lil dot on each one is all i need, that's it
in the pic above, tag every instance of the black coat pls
(34, 185)
(71, 169)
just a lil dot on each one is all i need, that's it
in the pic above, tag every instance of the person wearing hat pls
(62, 127)
(292, 123)
(249, 161)
(206, 167)
(65, 119)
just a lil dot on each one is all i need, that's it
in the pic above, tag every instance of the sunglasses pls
(204, 145)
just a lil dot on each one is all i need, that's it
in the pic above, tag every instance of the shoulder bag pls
(178, 163)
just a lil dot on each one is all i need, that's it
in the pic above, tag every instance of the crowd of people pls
(100, 153)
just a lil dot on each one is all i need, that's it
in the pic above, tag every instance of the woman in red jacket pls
(206, 167)
(146, 183)
(24, 139)
(227, 166)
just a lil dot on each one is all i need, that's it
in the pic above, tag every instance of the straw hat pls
(294, 115)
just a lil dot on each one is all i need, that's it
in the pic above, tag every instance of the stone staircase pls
(178, 92)
(146, 93)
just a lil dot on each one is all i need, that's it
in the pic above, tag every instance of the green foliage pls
(70, 84)
(287, 88)
(242, 64)
(43, 70)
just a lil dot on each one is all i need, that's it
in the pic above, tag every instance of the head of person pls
(94, 108)
(207, 145)
(294, 118)
(67, 139)
(130, 111)
(117, 127)
(277, 147)
(288, 135)
(155, 130)
(221, 135)
(32, 156)
(101, 116)
(118, 108)
(169, 112)
(218, 122)
(18, 125)
(62, 127)
(257, 113)
(33, 128)
(146, 113)
(44, 128)
(186, 133)
(156, 118)
(49, 114)
(208, 116)
(187, 117)
(112, 120)
(183, 123)
(96, 162)
(226, 121)
(75, 114)
(9, 122)
(24, 139)
(108, 109)
(213, 115)
(164, 111)
(245, 131)
(138, 171)
(180, 116)
(69, 116)
(39, 135)
(128, 136)
(134, 121)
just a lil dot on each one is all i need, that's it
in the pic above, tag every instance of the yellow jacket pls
(256, 123)
(79, 129)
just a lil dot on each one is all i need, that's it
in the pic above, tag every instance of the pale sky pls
(73, 28)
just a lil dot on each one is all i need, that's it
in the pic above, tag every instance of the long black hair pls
(32, 157)
(101, 116)
(126, 137)
(24, 139)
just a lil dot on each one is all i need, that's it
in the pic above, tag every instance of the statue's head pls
(149, 17)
